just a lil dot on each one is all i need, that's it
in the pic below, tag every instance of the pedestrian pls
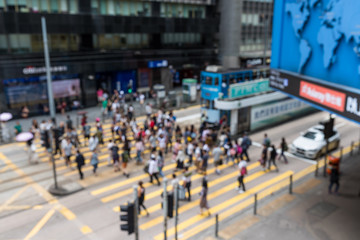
(68, 122)
(139, 149)
(198, 159)
(245, 144)
(334, 179)
(263, 158)
(130, 112)
(153, 169)
(32, 149)
(94, 161)
(162, 141)
(80, 161)
(284, 148)
(99, 135)
(205, 159)
(160, 161)
(18, 128)
(203, 197)
(125, 157)
(272, 159)
(190, 151)
(217, 152)
(152, 141)
(93, 143)
(141, 198)
(266, 141)
(176, 148)
(68, 152)
(187, 181)
(174, 182)
(242, 172)
(115, 157)
(180, 158)
(109, 148)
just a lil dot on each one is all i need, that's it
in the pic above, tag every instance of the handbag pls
(146, 168)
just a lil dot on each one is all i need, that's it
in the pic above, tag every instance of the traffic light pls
(170, 204)
(128, 218)
(328, 128)
(129, 86)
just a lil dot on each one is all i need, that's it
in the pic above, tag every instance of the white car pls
(312, 143)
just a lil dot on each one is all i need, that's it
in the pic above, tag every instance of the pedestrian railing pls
(286, 183)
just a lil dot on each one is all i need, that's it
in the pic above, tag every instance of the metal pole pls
(216, 225)
(255, 203)
(136, 201)
(326, 157)
(52, 158)
(48, 72)
(317, 168)
(265, 37)
(165, 208)
(176, 209)
(341, 152)
(351, 148)
(291, 184)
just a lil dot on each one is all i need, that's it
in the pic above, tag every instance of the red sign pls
(324, 96)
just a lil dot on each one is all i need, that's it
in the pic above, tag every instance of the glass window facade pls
(49, 6)
(121, 41)
(22, 43)
(176, 39)
(256, 25)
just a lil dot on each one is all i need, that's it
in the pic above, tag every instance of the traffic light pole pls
(326, 156)
(165, 208)
(136, 202)
(176, 208)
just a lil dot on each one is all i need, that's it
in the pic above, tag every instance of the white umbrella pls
(5, 116)
(24, 136)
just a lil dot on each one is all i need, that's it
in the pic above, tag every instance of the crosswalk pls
(222, 197)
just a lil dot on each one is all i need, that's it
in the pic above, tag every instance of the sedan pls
(312, 143)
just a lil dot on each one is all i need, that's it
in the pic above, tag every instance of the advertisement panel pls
(335, 99)
(248, 88)
(265, 115)
(66, 88)
(319, 39)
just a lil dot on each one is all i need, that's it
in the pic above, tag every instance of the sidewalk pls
(309, 213)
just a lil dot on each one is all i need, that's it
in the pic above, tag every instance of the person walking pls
(284, 148)
(93, 143)
(139, 149)
(94, 161)
(263, 158)
(80, 161)
(205, 159)
(115, 157)
(217, 158)
(190, 151)
(141, 198)
(187, 181)
(68, 152)
(266, 141)
(125, 157)
(160, 162)
(153, 169)
(334, 179)
(180, 158)
(203, 197)
(273, 154)
(109, 148)
(242, 172)
(245, 144)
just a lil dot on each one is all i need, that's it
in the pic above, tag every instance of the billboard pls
(316, 53)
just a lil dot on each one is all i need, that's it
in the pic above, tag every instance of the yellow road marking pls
(4, 169)
(226, 204)
(67, 213)
(17, 207)
(195, 203)
(13, 198)
(40, 224)
(38, 207)
(86, 229)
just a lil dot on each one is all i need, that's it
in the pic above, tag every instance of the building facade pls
(105, 44)
(245, 33)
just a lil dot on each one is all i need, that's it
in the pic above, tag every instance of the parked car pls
(312, 143)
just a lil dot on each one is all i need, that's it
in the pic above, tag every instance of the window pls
(36, 43)
(208, 81)
(74, 42)
(54, 7)
(110, 7)
(64, 8)
(3, 43)
(2, 5)
(74, 6)
(95, 6)
(35, 7)
(44, 7)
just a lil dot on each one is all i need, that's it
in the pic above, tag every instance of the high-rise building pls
(245, 32)
(101, 44)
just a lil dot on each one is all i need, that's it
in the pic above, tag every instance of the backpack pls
(285, 147)
(243, 171)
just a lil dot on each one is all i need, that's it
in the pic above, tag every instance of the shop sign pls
(38, 70)
(157, 64)
(344, 101)
(249, 88)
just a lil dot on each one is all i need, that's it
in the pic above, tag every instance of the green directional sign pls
(248, 88)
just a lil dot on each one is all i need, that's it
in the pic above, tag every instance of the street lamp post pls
(265, 19)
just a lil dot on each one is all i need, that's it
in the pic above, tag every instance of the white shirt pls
(190, 149)
(114, 106)
(206, 147)
(93, 142)
(153, 167)
(242, 164)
